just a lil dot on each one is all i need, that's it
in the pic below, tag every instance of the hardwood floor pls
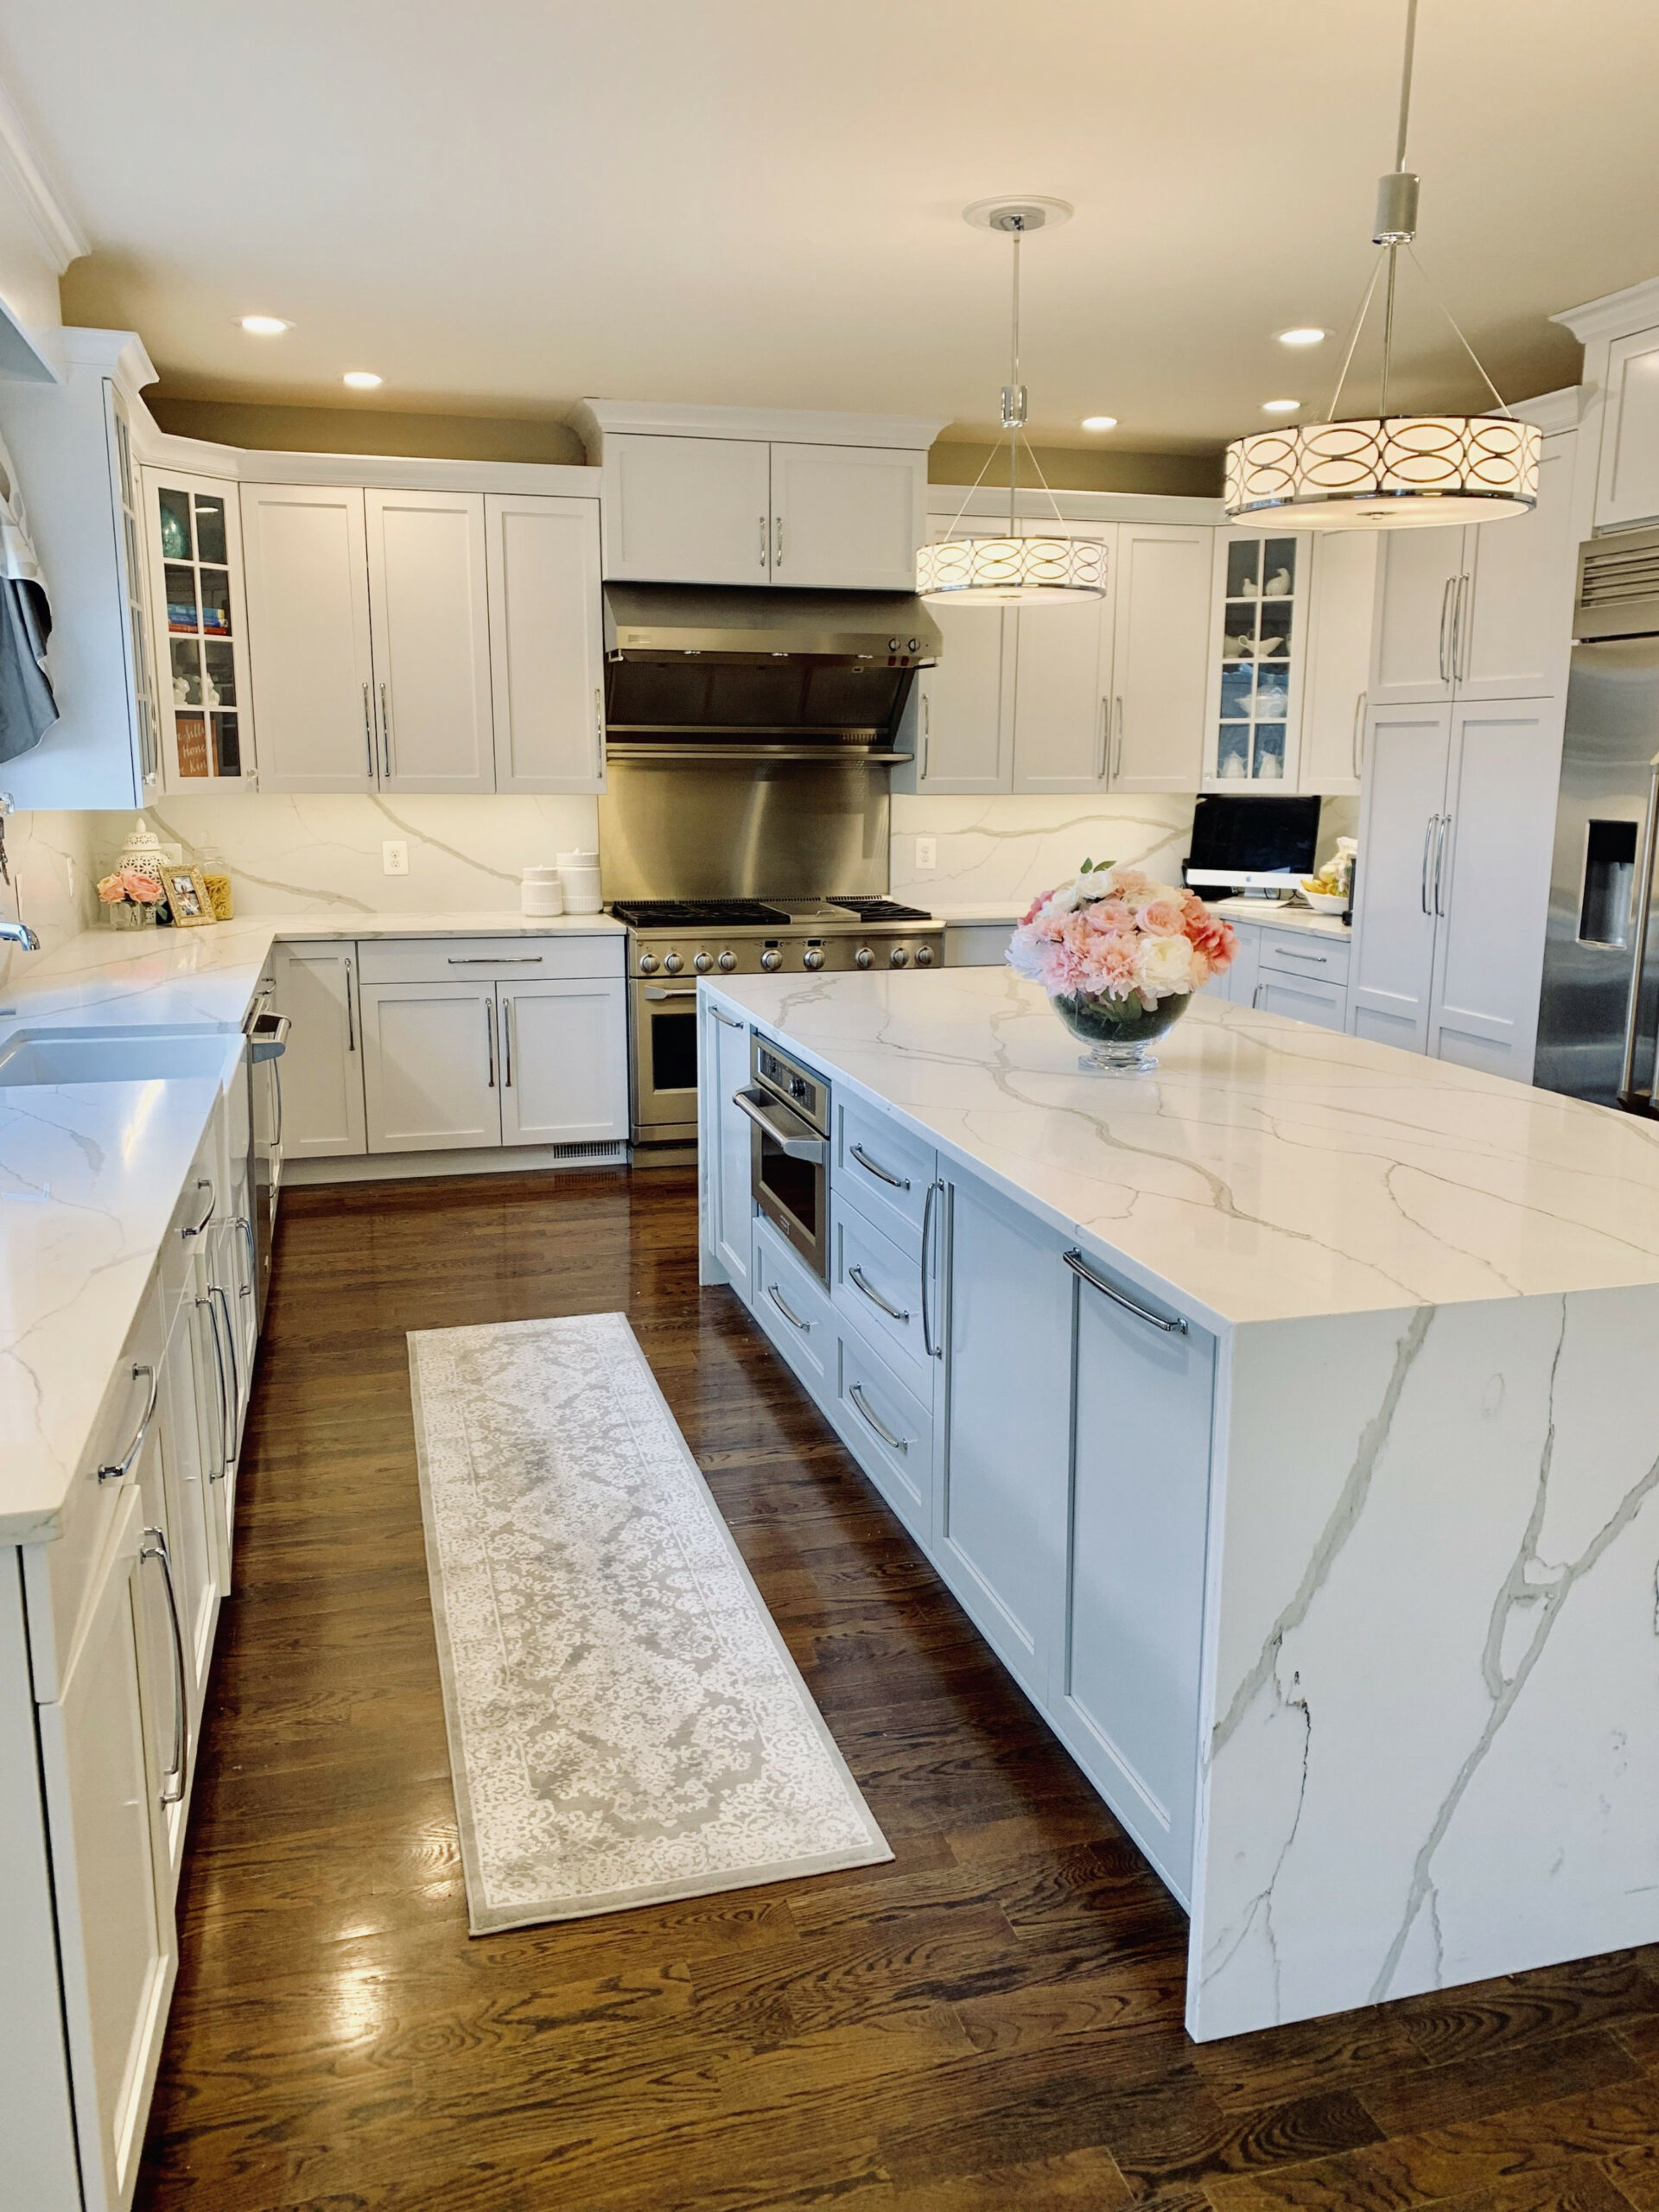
(992, 2021)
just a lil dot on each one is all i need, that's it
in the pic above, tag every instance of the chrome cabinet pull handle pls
(875, 1168)
(223, 1466)
(118, 1470)
(489, 1039)
(1358, 743)
(1441, 844)
(368, 730)
(245, 1225)
(495, 959)
(1118, 758)
(196, 1228)
(1256, 997)
(793, 1319)
(385, 733)
(777, 541)
(893, 1443)
(857, 1276)
(1459, 631)
(1428, 836)
(218, 1291)
(1080, 1267)
(1644, 893)
(1446, 618)
(730, 1021)
(927, 733)
(932, 1350)
(1103, 737)
(763, 541)
(598, 733)
(506, 1044)
(276, 1079)
(1300, 952)
(153, 1545)
(351, 1025)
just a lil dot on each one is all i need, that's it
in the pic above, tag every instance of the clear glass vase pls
(130, 914)
(1118, 1031)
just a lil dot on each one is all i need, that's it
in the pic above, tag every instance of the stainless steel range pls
(672, 942)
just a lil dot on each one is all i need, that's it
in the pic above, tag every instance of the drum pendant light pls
(1383, 471)
(1005, 570)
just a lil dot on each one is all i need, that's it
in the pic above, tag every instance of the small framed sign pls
(187, 897)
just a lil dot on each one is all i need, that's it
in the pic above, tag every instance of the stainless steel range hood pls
(762, 674)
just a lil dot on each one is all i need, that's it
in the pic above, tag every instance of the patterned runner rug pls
(626, 1723)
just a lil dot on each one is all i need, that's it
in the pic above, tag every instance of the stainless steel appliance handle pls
(1079, 1265)
(1460, 629)
(506, 1044)
(196, 1228)
(1428, 839)
(814, 1148)
(368, 730)
(118, 1470)
(385, 733)
(223, 1467)
(1450, 586)
(1118, 758)
(1440, 845)
(277, 1083)
(730, 1019)
(875, 1168)
(893, 1443)
(153, 1545)
(1639, 952)
(927, 1249)
(655, 991)
(1357, 742)
(793, 1319)
(350, 1020)
(489, 1037)
(496, 959)
(857, 1277)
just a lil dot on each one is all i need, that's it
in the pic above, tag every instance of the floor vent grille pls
(609, 1153)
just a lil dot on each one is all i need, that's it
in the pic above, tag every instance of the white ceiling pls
(504, 204)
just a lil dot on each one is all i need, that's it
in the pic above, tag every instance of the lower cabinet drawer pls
(473, 959)
(879, 1287)
(1285, 953)
(792, 1309)
(890, 1432)
(1303, 998)
(883, 1170)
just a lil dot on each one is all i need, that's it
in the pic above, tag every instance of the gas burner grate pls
(881, 909)
(694, 914)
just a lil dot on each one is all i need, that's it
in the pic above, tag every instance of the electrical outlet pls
(927, 853)
(394, 856)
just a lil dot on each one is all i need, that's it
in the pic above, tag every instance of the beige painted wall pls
(1077, 468)
(366, 429)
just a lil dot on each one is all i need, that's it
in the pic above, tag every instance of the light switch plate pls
(927, 852)
(394, 856)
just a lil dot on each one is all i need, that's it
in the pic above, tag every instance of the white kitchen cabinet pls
(117, 1948)
(1337, 667)
(197, 598)
(1416, 592)
(1161, 630)
(430, 631)
(431, 1056)
(563, 1048)
(1127, 1701)
(306, 552)
(1259, 625)
(1407, 750)
(1627, 483)
(846, 517)
(962, 716)
(1000, 1524)
(693, 511)
(546, 643)
(1304, 998)
(1063, 681)
(321, 1069)
(723, 1153)
(189, 1512)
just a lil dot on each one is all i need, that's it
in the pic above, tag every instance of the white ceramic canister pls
(579, 878)
(541, 892)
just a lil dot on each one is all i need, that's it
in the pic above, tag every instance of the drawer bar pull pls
(495, 960)
(118, 1470)
(1300, 952)
(856, 1275)
(875, 1168)
(196, 1229)
(793, 1319)
(893, 1443)
(1079, 1265)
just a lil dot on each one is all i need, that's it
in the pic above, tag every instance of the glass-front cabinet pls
(1259, 643)
(195, 567)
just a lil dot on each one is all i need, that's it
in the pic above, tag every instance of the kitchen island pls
(1286, 1420)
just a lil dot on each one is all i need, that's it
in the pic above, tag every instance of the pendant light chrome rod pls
(1405, 84)
(1013, 409)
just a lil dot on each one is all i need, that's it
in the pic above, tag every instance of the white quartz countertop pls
(1269, 1170)
(1268, 914)
(90, 1172)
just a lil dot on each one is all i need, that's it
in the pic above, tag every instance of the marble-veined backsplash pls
(52, 861)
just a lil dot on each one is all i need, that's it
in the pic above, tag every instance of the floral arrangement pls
(130, 885)
(1111, 934)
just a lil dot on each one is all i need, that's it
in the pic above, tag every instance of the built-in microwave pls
(788, 1107)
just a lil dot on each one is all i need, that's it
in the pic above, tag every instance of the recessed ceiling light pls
(265, 326)
(361, 379)
(1304, 334)
(1100, 421)
(1279, 406)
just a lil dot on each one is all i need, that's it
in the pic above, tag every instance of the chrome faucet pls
(19, 933)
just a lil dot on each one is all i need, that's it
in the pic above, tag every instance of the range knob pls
(702, 964)
(812, 957)
(863, 957)
(897, 957)
(672, 963)
(772, 958)
(727, 962)
(647, 963)
(924, 955)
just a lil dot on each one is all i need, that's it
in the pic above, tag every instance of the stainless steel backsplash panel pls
(742, 829)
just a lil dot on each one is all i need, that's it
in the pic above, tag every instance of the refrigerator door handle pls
(1639, 949)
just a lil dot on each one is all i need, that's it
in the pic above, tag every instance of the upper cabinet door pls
(1402, 836)
(193, 527)
(1258, 653)
(1338, 667)
(1161, 633)
(1514, 628)
(1063, 682)
(428, 611)
(1416, 616)
(308, 591)
(1627, 484)
(690, 510)
(846, 517)
(546, 643)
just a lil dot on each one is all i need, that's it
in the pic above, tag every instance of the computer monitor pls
(1252, 844)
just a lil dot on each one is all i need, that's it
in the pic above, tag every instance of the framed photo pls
(187, 897)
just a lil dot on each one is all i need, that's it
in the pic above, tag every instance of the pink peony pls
(1162, 917)
(1211, 934)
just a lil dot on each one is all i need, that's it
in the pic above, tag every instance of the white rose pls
(1166, 966)
(1064, 902)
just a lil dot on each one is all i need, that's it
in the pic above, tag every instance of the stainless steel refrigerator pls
(1599, 1012)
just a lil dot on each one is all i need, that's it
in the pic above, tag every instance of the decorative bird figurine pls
(1278, 585)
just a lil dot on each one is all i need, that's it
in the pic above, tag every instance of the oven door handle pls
(814, 1148)
(686, 991)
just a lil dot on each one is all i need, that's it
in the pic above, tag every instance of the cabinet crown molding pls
(1616, 314)
(1553, 411)
(60, 235)
(117, 354)
(592, 419)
